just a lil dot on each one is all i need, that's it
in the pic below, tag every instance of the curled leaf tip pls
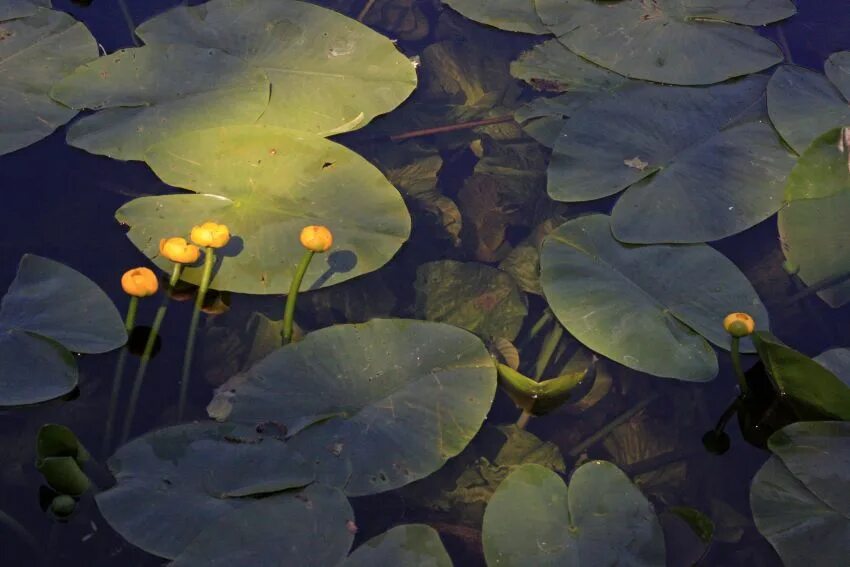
(316, 238)
(739, 324)
(210, 234)
(139, 282)
(178, 250)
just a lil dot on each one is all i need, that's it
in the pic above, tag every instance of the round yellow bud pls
(739, 324)
(178, 250)
(316, 238)
(139, 282)
(210, 234)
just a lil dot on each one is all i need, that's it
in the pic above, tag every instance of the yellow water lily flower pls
(210, 234)
(178, 250)
(316, 238)
(739, 324)
(139, 282)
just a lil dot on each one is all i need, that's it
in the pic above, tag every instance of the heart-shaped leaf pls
(409, 544)
(511, 15)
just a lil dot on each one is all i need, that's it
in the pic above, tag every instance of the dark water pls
(59, 202)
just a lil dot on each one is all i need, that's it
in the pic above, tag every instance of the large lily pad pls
(837, 361)
(329, 73)
(410, 544)
(824, 168)
(154, 93)
(804, 104)
(837, 69)
(49, 310)
(699, 163)
(601, 519)
(668, 41)
(266, 184)
(511, 15)
(801, 497)
(652, 308)
(390, 400)
(194, 491)
(550, 66)
(37, 48)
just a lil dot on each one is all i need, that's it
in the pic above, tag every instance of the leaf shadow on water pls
(339, 262)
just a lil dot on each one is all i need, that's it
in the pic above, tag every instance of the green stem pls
(209, 261)
(130, 319)
(129, 323)
(612, 425)
(736, 363)
(535, 329)
(146, 354)
(289, 311)
(547, 350)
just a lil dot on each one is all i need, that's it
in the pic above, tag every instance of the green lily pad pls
(266, 184)
(837, 361)
(49, 310)
(511, 15)
(668, 41)
(801, 497)
(473, 296)
(384, 403)
(698, 163)
(410, 544)
(804, 104)
(37, 48)
(544, 118)
(551, 67)
(837, 70)
(814, 391)
(188, 488)
(601, 519)
(13, 9)
(154, 93)
(652, 308)
(329, 73)
(60, 458)
(824, 168)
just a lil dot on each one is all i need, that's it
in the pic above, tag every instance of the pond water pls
(60, 202)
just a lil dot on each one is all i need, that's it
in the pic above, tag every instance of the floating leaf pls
(385, 403)
(51, 309)
(511, 15)
(329, 73)
(650, 308)
(544, 118)
(803, 105)
(801, 497)
(601, 519)
(409, 544)
(824, 168)
(551, 67)
(472, 296)
(837, 361)
(668, 41)
(267, 184)
(837, 69)
(37, 48)
(154, 93)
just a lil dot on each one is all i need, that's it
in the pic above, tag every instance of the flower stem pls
(209, 261)
(736, 363)
(129, 323)
(289, 311)
(130, 319)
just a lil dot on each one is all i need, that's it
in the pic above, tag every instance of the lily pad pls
(473, 296)
(837, 361)
(700, 164)
(188, 488)
(668, 41)
(801, 497)
(601, 519)
(804, 104)
(837, 69)
(410, 544)
(154, 93)
(329, 73)
(511, 15)
(266, 184)
(49, 310)
(37, 48)
(652, 308)
(384, 403)
(824, 168)
(551, 67)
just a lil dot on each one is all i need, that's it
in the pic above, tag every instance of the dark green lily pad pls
(188, 488)
(837, 361)
(801, 497)
(668, 41)
(551, 67)
(153, 93)
(384, 403)
(652, 308)
(511, 15)
(804, 104)
(38, 48)
(837, 70)
(824, 168)
(814, 391)
(51, 309)
(700, 164)
(329, 73)
(473, 296)
(544, 118)
(266, 184)
(601, 519)
(409, 544)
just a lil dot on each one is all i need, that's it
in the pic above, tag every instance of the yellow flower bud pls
(316, 238)
(178, 250)
(139, 282)
(739, 324)
(210, 234)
